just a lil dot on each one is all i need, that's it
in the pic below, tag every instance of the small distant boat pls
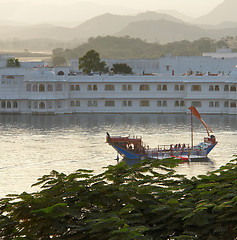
(134, 148)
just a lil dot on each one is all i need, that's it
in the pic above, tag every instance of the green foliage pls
(121, 68)
(145, 201)
(134, 48)
(13, 62)
(91, 62)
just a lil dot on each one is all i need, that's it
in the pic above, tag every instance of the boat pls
(133, 147)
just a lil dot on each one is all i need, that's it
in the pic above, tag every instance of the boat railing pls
(160, 154)
(172, 147)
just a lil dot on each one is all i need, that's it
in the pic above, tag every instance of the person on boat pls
(213, 139)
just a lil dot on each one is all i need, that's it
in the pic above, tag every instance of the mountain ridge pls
(150, 26)
(224, 12)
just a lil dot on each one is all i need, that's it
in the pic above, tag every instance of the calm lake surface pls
(32, 146)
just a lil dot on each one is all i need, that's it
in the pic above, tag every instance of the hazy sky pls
(193, 8)
(188, 7)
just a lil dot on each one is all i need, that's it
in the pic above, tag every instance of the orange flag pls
(195, 112)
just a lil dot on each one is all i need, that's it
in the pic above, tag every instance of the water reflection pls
(34, 145)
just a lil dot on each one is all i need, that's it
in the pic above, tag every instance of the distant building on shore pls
(221, 62)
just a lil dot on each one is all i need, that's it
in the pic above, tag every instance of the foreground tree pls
(121, 68)
(146, 201)
(91, 62)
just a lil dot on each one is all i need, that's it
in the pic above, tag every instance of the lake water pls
(32, 146)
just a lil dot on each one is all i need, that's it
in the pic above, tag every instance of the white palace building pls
(36, 89)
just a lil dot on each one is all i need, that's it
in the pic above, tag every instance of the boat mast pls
(191, 130)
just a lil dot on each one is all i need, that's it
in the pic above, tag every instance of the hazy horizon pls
(34, 11)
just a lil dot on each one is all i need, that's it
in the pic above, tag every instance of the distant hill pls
(149, 26)
(106, 24)
(162, 31)
(46, 31)
(165, 31)
(177, 15)
(224, 12)
(110, 24)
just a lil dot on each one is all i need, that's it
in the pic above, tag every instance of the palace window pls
(9, 105)
(226, 88)
(176, 104)
(182, 104)
(127, 103)
(50, 87)
(144, 103)
(226, 104)
(164, 103)
(28, 87)
(182, 88)
(42, 105)
(211, 88)
(35, 88)
(77, 87)
(59, 87)
(211, 104)
(217, 104)
(3, 104)
(233, 88)
(72, 103)
(109, 103)
(15, 105)
(196, 104)
(77, 103)
(144, 87)
(217, 88)
(92, 103)
(164, 87)
(196, 88)
(89, 103)
(41, 88)
(60, 73)
(109, 87)
(90, 87)
(71, 87)
(159, 103)
(176, 87)
(233, 104)
(126, 87)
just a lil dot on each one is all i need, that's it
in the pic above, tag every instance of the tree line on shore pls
(133, 48)
(148, 200)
